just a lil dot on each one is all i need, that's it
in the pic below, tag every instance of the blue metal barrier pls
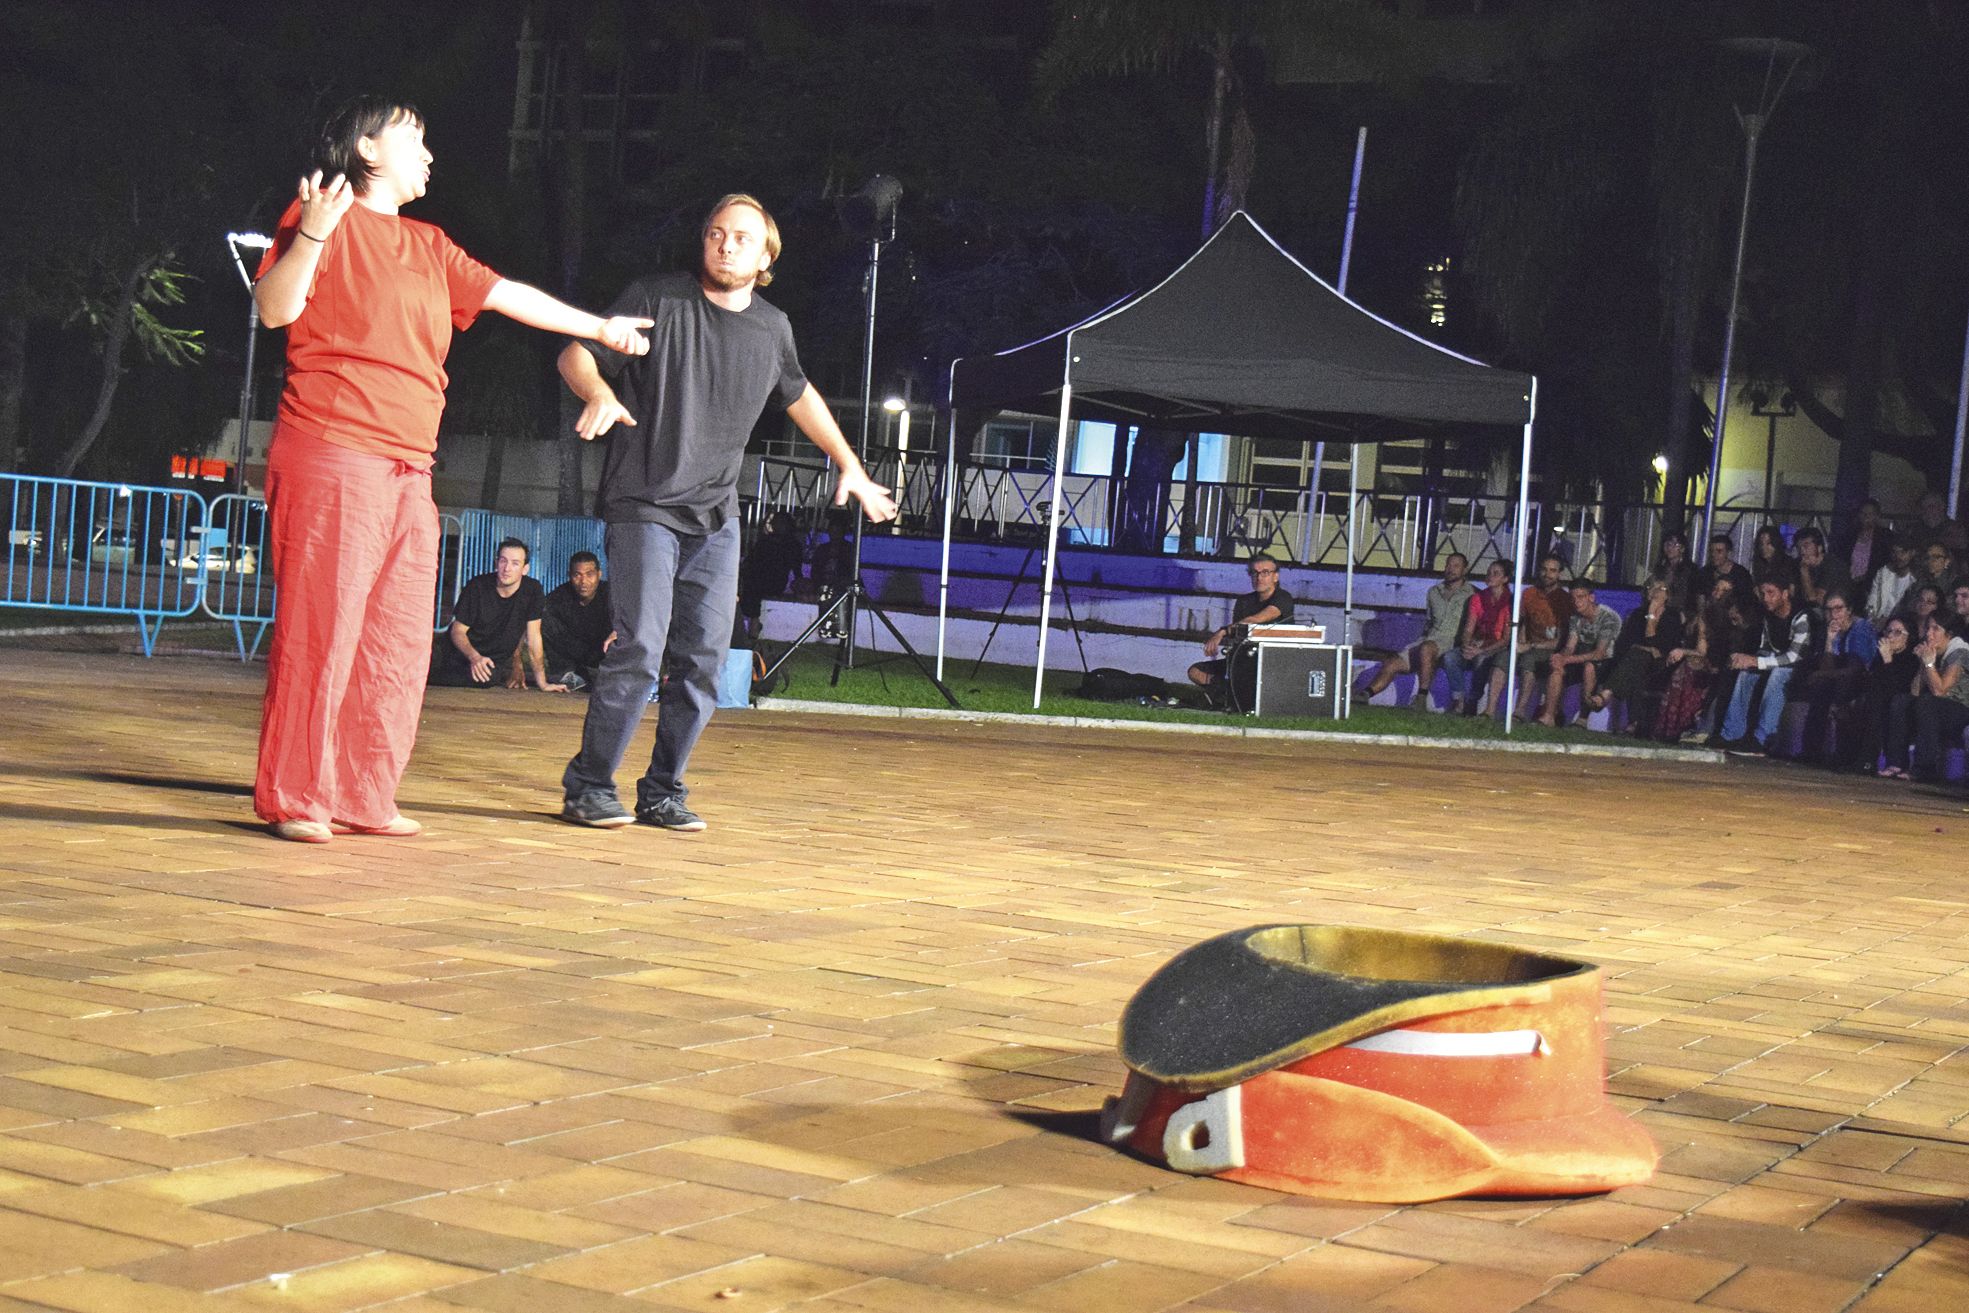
(155, 554)
(104, 549)
(242, 593)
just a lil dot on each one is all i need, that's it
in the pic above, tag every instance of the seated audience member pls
(1480, 642)
(1442, 622)
(769, 569)
(1938, 705)
(1959, 600)
(1784, 636)
(1723, 564)
(834, 567)
(1884, 696)
(1640, 665)
(1932, 525)
(576, 627)
(1265, 604)
(1922, 600)
(1832, 677)
(496, 620)
(1819, 575)
(1872, 544)
(1584, 657)
(1891, 582)
(1544, 619)
(1769, 563)
(1693, 669)
(1938, 567)
(1678, 572)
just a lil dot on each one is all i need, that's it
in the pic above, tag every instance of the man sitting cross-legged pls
(1443, 619)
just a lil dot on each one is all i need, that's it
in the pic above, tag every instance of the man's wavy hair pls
(772, 228)
(365, 116)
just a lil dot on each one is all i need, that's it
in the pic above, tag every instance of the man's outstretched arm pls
(812, 417)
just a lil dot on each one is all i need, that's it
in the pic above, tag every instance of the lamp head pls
(871, 212)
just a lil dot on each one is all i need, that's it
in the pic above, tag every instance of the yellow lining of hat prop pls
(1378, 1065)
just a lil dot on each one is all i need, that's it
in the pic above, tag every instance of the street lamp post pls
(1781, 60)
(236, 242)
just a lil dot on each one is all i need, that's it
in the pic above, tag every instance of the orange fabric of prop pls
(1402, 1128)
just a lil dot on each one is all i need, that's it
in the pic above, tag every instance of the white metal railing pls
(1610, 543)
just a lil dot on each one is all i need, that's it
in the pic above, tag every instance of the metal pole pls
(234, 243)
(1353, 523)
(1346, 261)
(1753, 124)
(246, 396)
(1053, 531)
(1518, 558)
(1353, 208)
(949, 508)
(861, 447)
(1961, 416)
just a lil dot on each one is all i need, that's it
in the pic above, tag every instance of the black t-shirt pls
(494, 624)
(1251, 604)
(572, 633)
(695, 397)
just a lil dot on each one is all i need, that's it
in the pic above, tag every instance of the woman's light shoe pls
(397, 827)
(302, 831)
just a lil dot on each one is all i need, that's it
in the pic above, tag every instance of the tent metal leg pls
(949, 511)
(1053, 533)
(1518, 557)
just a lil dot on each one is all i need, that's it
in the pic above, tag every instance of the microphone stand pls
(855, 595)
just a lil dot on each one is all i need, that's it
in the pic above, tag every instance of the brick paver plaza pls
(842, 1051)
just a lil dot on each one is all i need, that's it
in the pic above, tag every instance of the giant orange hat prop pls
(1378, 1065)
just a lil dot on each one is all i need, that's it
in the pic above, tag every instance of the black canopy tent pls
(1241, 339)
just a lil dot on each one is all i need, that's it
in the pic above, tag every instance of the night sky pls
(1566, 160)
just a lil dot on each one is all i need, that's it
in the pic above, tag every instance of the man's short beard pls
(724, 282)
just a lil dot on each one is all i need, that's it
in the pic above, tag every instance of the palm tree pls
(1230, 41)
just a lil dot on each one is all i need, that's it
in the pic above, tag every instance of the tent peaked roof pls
(1242, 338)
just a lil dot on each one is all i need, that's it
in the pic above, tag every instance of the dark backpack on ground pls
(1107, 684)
(763, 656)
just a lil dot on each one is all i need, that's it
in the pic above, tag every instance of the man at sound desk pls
(1265, 604)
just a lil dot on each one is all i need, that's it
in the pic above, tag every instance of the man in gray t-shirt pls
(718, 355)
(1442, 621)
(1584, 656)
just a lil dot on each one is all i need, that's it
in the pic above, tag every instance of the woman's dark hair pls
(365, 116)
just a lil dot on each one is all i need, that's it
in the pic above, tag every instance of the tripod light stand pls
(870, 214)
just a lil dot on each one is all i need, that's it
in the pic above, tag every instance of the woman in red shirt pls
(1486, 626)
(369, 300)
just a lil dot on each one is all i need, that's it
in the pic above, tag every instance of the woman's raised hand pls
(322, 207)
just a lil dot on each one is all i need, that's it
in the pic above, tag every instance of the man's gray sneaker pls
(671, 814)
(602, 810)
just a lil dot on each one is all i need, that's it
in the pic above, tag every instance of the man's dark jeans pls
(673, 595)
